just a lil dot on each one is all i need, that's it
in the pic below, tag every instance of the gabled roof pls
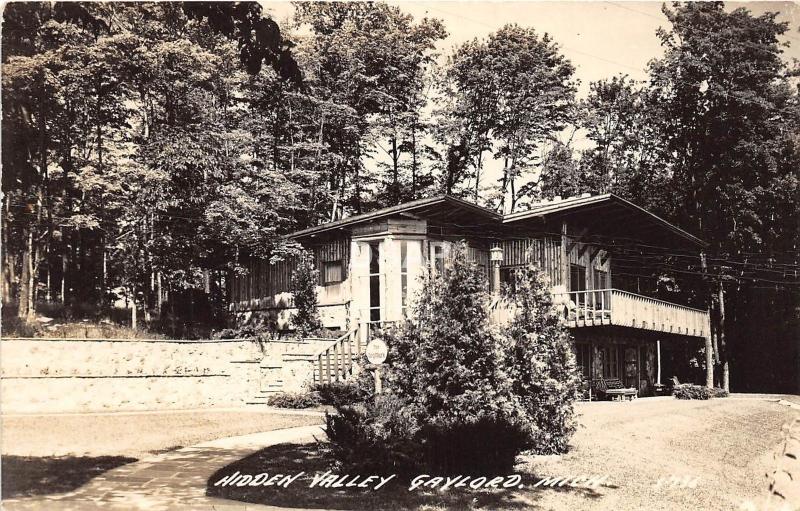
(597, 203)
(446, 207)
(420, 207)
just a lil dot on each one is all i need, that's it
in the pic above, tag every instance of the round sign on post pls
(377, 351)
(376, 354)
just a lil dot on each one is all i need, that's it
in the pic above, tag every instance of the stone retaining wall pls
(76, 375)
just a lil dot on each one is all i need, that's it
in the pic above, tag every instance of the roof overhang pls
(442, 208)
(608, 212)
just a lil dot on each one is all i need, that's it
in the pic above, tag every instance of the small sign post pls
(376, 354)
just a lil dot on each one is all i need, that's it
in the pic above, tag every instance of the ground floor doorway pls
(639, 359)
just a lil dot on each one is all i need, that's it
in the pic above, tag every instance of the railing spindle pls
(328, 364)
(336, 361)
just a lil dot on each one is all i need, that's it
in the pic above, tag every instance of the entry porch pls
(639, 359)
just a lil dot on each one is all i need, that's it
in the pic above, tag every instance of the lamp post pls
(496, 259)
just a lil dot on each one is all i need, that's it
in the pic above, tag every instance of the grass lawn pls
(45, 454)
(727, 444)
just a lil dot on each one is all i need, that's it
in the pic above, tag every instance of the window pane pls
(577, 277)
(600, 279)
(374, 258)
(332, 272)
(375, 297)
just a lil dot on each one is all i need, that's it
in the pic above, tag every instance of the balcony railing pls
(621, 308)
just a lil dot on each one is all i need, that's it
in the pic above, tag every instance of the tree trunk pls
(709, 346)
(721, 339)
(318, 164)
(513, 192)
(478, 168)
(26, 281)
(159, 295)
(133, 310)
(394, 195)
(64, 266)
(414, 160)
(709, 362)
(9, 276)
(103, 290)
(504, 186)
(48, 296)
(9, 261)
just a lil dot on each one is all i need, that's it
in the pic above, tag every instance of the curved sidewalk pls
(173, 480)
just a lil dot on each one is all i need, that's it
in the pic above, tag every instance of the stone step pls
(299, 356)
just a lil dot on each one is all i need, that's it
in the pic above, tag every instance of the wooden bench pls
(612, 388)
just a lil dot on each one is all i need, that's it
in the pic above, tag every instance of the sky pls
(602, 39)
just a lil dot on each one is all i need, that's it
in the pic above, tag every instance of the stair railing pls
(335, 362)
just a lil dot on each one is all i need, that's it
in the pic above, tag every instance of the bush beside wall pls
(295, 400)
(692, 391)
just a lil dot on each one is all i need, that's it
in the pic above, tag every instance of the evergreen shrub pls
(455, 397)
(295, 400)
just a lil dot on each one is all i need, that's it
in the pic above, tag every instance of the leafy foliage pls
(304, 287)
(375, 436)
(542, 364)
(515, 91)
(692, 391)
(346, 393)
(470, 396)
(293, 400)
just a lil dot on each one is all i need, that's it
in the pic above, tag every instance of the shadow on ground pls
(291, 459)
(27, 476)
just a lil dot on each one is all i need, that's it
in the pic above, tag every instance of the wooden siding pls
(263, 281)
(338, 250)
(620, 308)
(545, 252)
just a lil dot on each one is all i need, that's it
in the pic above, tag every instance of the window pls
(438, 259)
(404, 277)
(577, 282)
(602, 300)
(374, 282)
(600, 279)
(583, 355)
(611, 359)
(577, 277)
(332, 272)
(507, 277)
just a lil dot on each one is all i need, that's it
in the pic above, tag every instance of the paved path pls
(174, 480)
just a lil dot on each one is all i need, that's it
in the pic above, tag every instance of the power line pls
(635, 10)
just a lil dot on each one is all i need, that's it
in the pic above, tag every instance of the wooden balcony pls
(621, 308)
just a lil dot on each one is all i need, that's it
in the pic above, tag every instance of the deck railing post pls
(349, 353)
(336, 361)
(328, 364)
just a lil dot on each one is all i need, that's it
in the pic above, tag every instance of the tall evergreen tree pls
(731, 130)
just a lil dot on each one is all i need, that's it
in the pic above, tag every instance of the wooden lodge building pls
(369, 268)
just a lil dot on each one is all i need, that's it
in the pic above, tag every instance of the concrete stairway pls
(287, 366)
